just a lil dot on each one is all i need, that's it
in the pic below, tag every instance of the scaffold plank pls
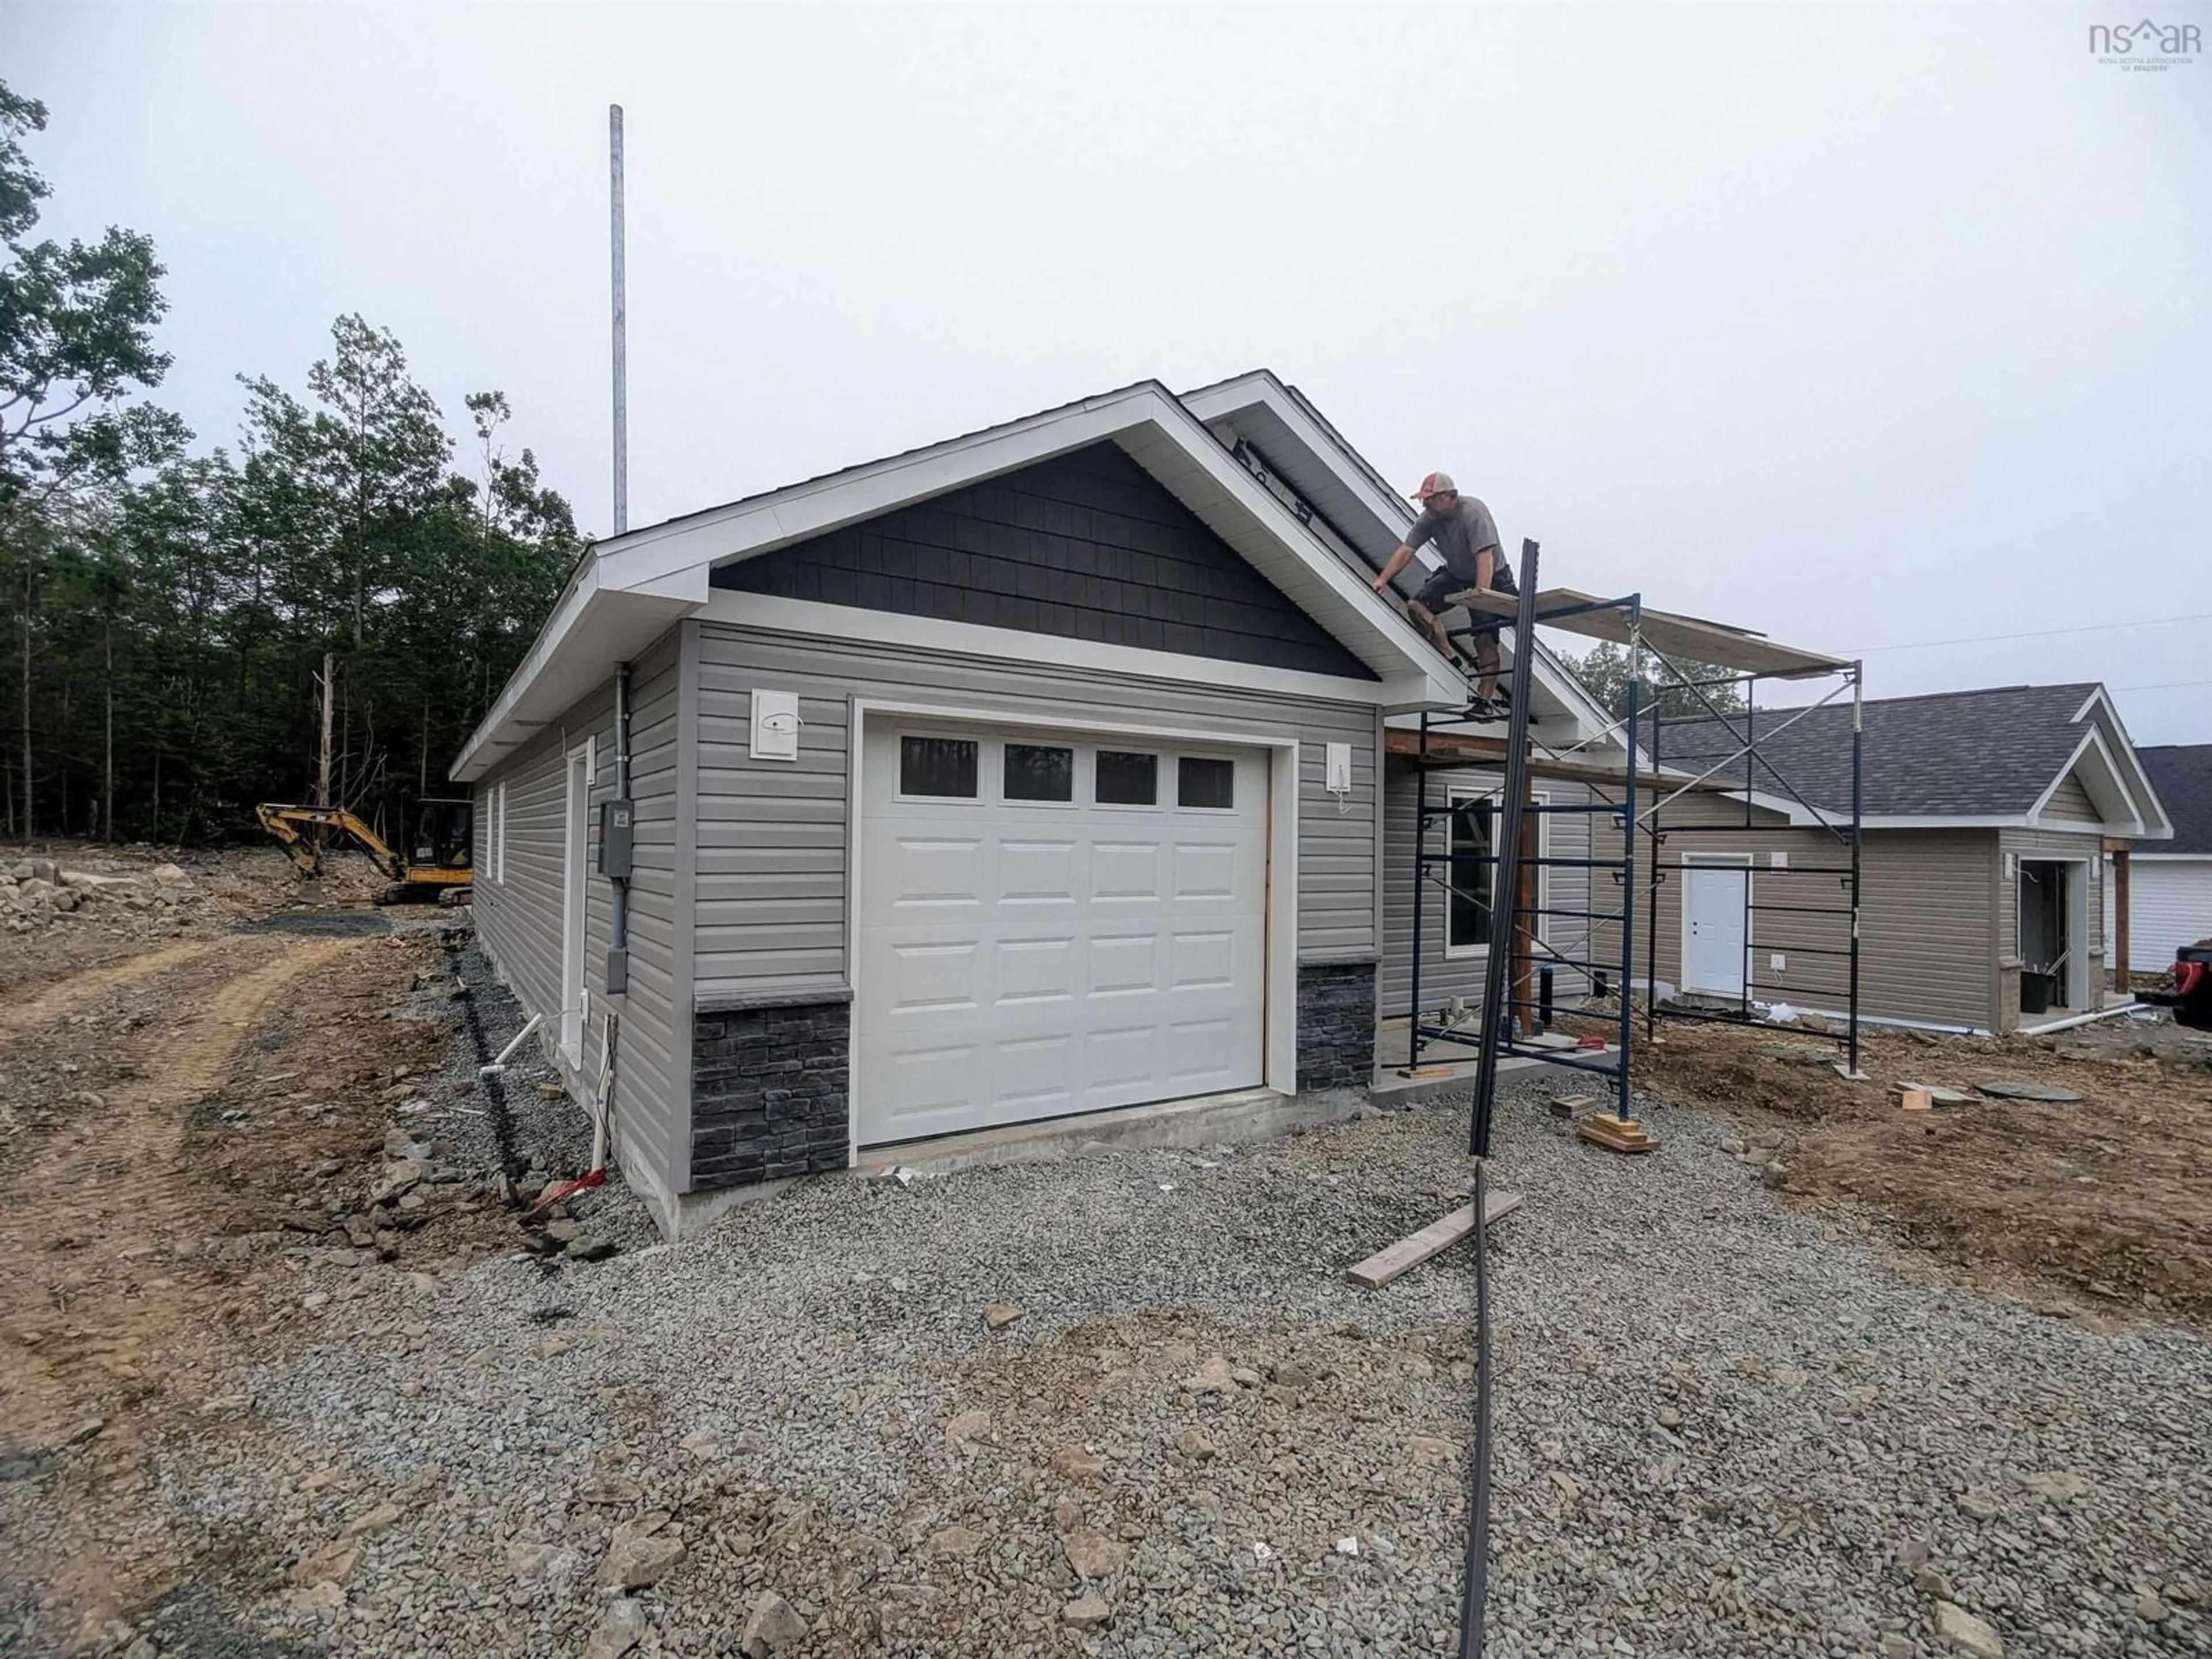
(1690, 637)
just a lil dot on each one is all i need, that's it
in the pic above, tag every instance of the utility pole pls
(621, 320)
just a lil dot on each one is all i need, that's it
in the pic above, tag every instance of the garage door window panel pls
(940, 768)
(1126, 777)
(1039, 772)
(1206, 783)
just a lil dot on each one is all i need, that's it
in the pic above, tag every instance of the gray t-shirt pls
(1461, 532)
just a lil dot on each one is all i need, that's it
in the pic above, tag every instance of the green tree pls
(76, 323)
(1604, 674)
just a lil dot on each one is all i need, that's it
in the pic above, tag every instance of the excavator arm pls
(282, 820)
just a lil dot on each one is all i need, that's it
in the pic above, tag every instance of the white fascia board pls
(1223, 400)
(762, 524)
(2143, 794)
(839, 621)
(1799, 818)
(2119, 807)
(1359, 606)
(2204, 859)
(576, 652)
(474, 756)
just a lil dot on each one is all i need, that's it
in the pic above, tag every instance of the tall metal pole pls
(1420, 885)
(1858, 775)
(1496, 1006)
(1628, 861)
(621, 319)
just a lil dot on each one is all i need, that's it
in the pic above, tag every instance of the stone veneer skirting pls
(1336, 1025)
(771, 1093)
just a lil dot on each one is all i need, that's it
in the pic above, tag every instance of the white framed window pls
(1472, 826)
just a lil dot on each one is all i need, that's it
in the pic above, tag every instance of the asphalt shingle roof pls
(1955, 754)
(2182, 775)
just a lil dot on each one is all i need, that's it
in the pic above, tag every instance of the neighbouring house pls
(2169, 883)
(1985, 815)
(1030, 773)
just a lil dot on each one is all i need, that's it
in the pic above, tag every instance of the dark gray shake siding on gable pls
(518, 919)
(1086, 546)
(772, 834)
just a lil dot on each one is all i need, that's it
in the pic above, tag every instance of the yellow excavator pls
(442, 846)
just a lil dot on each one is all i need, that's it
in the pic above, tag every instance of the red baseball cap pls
(1436, 483)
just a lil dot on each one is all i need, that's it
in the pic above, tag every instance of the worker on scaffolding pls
(1466, 538)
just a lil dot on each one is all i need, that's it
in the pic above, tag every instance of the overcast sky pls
(1860, 325)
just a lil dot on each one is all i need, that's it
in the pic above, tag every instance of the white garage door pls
(1054, 924)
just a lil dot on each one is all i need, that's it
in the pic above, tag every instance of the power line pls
(2038, 634)
(2163, 685)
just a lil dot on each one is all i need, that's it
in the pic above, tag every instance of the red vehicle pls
(2192, 985)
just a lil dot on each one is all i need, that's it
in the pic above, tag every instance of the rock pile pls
(39, 893)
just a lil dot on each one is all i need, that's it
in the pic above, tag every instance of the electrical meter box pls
(615, 818)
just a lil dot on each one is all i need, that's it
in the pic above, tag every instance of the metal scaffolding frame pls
(1519, 1005)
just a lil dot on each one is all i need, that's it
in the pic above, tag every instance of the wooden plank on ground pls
(1432, 1240)
(1693, 637)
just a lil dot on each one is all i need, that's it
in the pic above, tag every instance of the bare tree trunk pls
(423, 784)
(107, 755)
(155, 833)
(323, 772)
(29, 806)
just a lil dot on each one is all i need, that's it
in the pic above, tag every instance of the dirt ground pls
(2108, 1199)
(187, 1084)
(175, 1086)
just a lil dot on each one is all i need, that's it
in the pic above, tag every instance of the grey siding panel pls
(1444, 977)
(2070, 804)
(771, 834)
(518, 919)
(1927, 933)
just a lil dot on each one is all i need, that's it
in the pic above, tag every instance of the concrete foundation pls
(1210, 1120)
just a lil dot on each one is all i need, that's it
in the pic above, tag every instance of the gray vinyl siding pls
(1445, 975)
(518, 919)
(1928, 941)
(770, 905)
(2045, 844)
(2070, 804)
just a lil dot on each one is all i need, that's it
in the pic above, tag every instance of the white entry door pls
(1714, 946)
(1054, 924)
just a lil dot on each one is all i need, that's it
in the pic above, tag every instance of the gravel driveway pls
(1723, 1428)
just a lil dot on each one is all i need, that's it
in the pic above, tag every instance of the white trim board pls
(1280, 1056)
